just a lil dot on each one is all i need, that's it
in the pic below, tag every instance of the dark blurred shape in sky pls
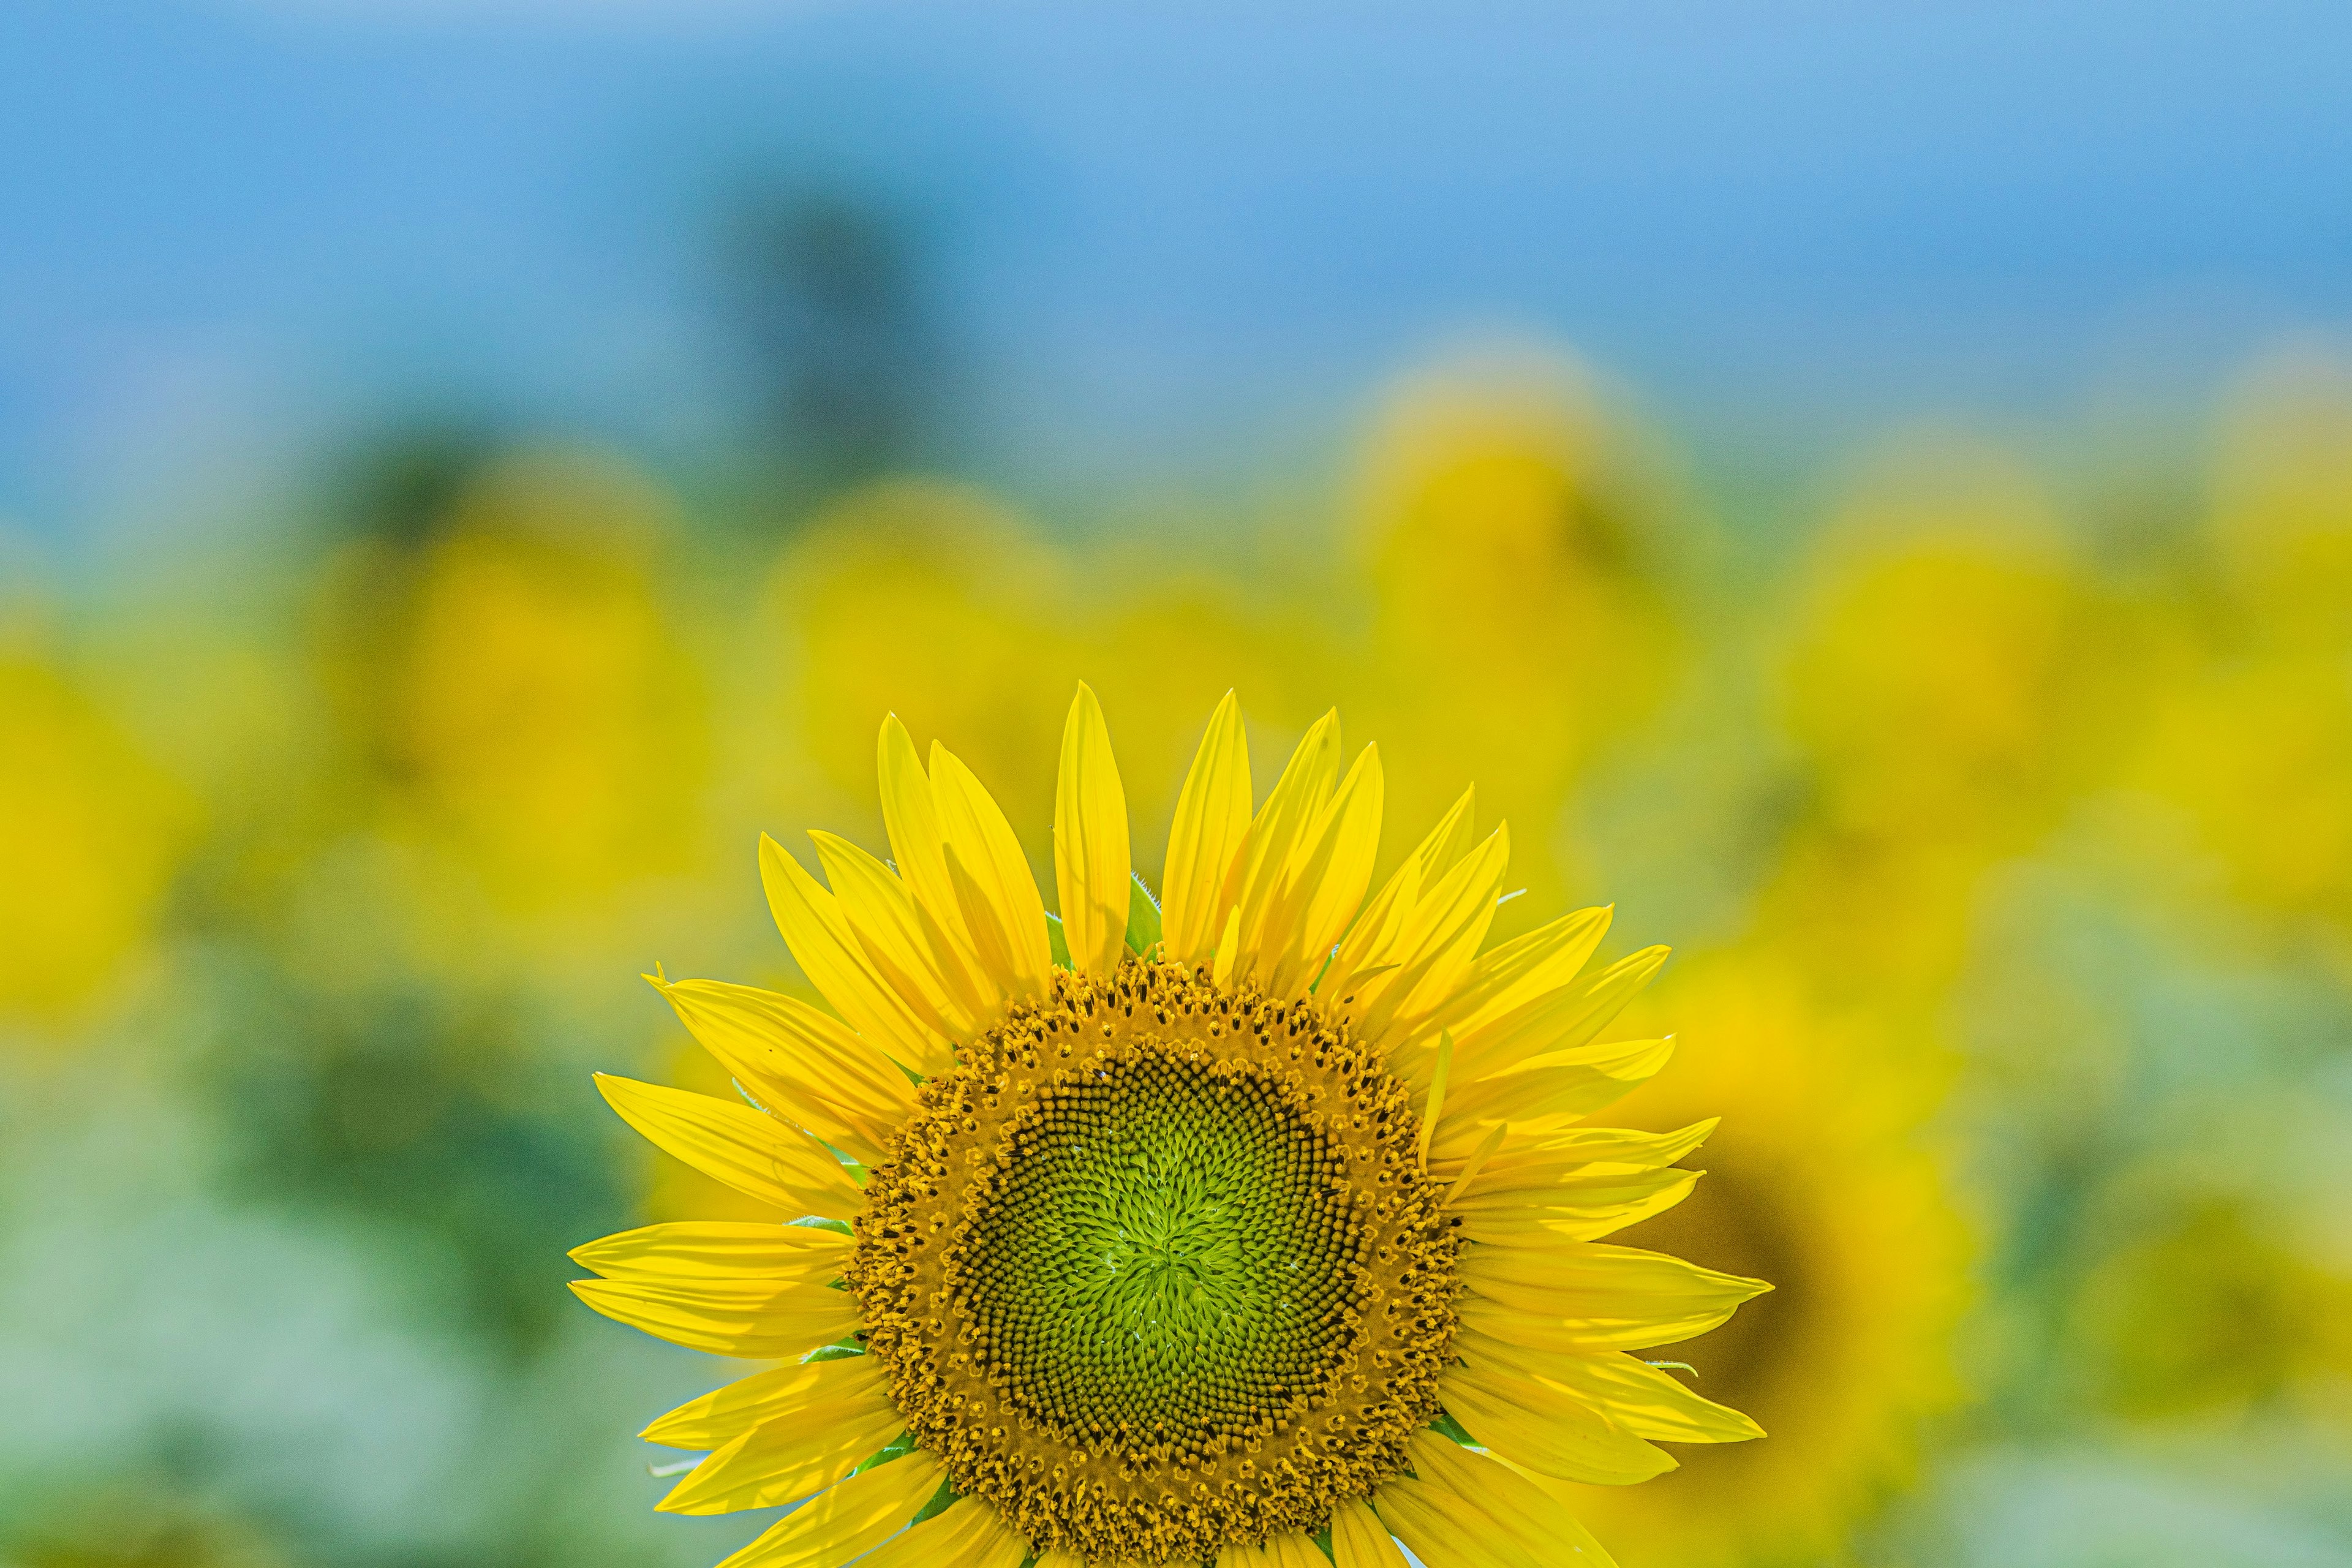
(400, 483)
(826, 297)
(229, 224)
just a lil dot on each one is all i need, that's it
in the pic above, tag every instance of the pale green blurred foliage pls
(2016, 882)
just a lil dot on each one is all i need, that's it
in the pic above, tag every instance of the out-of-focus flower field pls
(2001, 815)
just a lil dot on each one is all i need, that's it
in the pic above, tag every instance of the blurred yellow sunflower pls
(2253, 742)
(1953, 681)
(1168, 1233)
(518, 692)
(92, 832)
(1823, 1181)
(2256, 753)
(1496, 481)
(2282, 503)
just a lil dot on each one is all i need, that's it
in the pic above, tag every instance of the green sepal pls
(941, 1500)
(818, 1222)
(1142, 917)
(1453, 1428)
(833, 1352)
(899, 1449)
(1059, 943)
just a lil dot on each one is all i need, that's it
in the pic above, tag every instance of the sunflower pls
(1244, 1227)
(1497, 479)
(1826, 1182)
(92, 832)
(516, 689)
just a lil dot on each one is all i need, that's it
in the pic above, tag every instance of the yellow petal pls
(1436, 944)
(728, 1321)
(1585, 1210)
(919, 844)
(1359, 1539)
(785, 1459)
(1368, 952)
(1091, 867)
(1325, 883)
(1561, 1019)
(1641, 1398)
(1547, 1090)
(881, 915)
(1346, 984)
(1519, 970)
(1468, 1167)
(1294, 1551)
(1519, 1510)
(723, 1414)
(1546, 1428)
(853, 1518)
(685, 1250)
(755, 1155)
(995, 1545)
(1212, 818)
(798, 1062)
(1590, 1293)
(1451, 839)
(995, 890)
(822, 941)
(1298, 796)
(1547, 1157)
(912, 820)
(1444, 1530)
(1228, 950)
(967, 1533)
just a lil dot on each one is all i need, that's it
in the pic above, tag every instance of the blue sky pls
(230, 229)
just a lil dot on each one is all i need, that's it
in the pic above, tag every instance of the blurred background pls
(1865, 489)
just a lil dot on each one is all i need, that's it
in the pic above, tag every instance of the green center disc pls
(1167, 1256)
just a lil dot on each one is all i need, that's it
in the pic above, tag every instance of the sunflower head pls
(90, 822)
(1168, 1232)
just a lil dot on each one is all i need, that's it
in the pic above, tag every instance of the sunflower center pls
(1164, 1241)
(1155, 1268)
